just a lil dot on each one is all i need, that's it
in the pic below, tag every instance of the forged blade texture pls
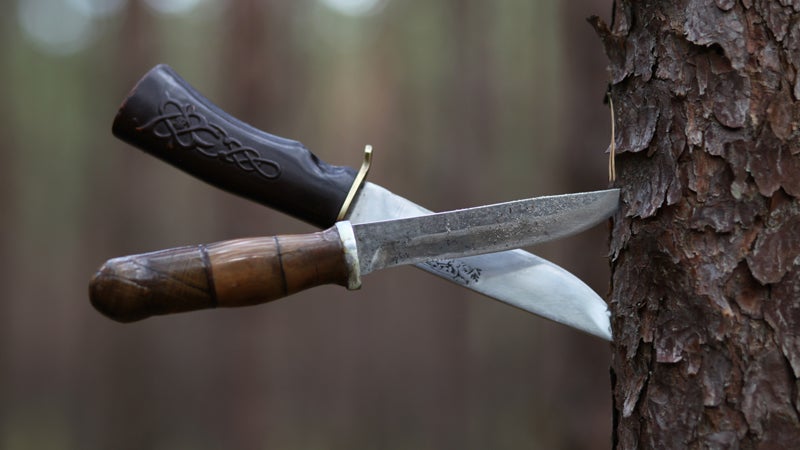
(515, 277)
(484, 229)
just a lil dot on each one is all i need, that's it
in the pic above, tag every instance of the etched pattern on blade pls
(456, 270)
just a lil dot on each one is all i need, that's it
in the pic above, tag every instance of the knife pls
(166, 117)
(256, 270)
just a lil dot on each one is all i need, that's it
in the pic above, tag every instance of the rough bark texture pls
(706, 247)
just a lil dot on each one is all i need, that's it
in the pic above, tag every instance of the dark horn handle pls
(164, 116)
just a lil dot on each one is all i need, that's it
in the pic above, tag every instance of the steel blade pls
(516, 277)
(484, 229)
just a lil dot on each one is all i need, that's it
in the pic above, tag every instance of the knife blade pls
(166, 117)
(256, 270)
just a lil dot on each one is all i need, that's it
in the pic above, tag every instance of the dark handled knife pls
(256, 270)
(164, 116)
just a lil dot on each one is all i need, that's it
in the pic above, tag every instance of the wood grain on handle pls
(240, 272)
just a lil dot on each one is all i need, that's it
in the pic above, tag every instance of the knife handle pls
(239, 272)
(167, 118)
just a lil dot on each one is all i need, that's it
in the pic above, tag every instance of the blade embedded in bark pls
(514, 277)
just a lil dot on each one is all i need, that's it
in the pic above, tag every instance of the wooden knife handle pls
(166, 117)
(240, 272)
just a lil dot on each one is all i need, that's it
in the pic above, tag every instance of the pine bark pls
(706, 246)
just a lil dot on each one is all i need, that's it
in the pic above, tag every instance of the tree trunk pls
(705, 247)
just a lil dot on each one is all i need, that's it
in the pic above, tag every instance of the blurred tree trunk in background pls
(258, 65)
(257, 79)
(137, 49)
(126, 168)
(704, 249)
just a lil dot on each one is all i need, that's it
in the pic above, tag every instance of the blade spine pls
(490, 205)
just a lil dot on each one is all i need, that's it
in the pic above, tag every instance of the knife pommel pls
(233, 273)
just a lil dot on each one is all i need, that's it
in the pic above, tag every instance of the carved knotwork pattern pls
(455, 270)
(184, 127)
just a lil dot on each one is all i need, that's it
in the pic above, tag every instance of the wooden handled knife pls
(249, 271)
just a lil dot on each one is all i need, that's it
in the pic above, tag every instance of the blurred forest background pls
(465, 101)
